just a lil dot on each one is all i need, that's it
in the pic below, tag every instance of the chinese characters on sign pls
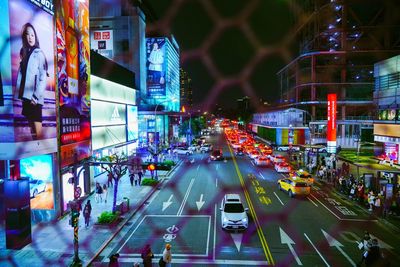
(331, 124)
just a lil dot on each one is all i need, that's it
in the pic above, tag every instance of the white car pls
(282, 167)
(194, 147)
(36, 186)
(262, 161)
(277, 159)
(233, 214)
(286, 148)
(182, 151)
(254, 154)
(206, 148)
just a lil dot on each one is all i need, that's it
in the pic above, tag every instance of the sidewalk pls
(53, 242)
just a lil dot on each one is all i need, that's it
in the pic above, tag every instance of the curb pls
(138, 207)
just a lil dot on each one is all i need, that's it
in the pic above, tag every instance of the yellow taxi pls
(294, 186)
(301, 174)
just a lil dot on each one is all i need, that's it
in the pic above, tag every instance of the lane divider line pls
(279, 199)
(319, 253)
(215, 232)
(262, 176)
(334, 214)
(315, 204)
(260, 233)
(185, 198)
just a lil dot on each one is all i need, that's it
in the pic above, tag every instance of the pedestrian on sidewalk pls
(371, 200)
(114, 260)
(109, 180)
(140, 175)
(131, 177)
(167, 256)
(105, 193)
(378, 205)
(147, 256)
(87, 211)
(136, 179)
(99, 192)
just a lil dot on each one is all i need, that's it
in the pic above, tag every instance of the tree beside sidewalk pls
(116, 166)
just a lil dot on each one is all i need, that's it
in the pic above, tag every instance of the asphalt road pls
(320, 230)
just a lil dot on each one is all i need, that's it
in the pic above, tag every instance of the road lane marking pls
(200, 203)
(285, 239)
(216, 167)
(260, 233)
(130, 236)
(185, 198)
(262, 176)
(253, 163)
(167, 203)
(319, 253)
(237, 239)
(279, 199)
(208, 235)
(216, 182)
(191, 261)
(198, 167)
(315, 204)
(215, 231)
(341, 219)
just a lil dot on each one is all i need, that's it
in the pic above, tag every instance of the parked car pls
(182, 151)
(36, 186)
(216, 154)
(286, 148)
(262, 161)
(194, 147)
(294, 187)
(206, 148)
(233, 214)
(282, 167)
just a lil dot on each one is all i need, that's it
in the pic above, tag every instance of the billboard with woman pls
(29, 107)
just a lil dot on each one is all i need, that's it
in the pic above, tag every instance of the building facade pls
(339, 43)
(186, 90)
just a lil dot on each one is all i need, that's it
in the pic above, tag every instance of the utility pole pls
(75, 212)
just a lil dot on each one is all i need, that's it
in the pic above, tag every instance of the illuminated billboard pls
(331, 124)
(106, 113)
(73, 50)
(102, 42)
(155, 51)
(39, 171)
(27, 104)
(133, 130)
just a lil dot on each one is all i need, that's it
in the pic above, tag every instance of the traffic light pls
(74, 220)
(151, 167)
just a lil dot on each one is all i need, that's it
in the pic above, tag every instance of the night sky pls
(230, 48)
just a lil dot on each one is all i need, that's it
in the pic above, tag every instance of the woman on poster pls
(31, 80)
(156, 59)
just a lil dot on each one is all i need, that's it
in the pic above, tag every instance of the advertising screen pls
(68, 188)
(331, 124)
(103, 89)
(72, 23)
(133, 127)
(28, 115)
(39, 171)
(155, 51)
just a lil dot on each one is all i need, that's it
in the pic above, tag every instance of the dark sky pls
(230, 48)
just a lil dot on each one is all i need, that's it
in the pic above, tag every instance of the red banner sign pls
(331, 127)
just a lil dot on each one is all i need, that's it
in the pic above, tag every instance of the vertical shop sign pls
(331, 127)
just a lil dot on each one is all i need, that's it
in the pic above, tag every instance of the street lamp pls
(173, 100)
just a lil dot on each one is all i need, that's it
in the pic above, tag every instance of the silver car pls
(233, 214)
(36, 186)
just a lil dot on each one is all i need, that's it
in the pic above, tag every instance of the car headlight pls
(244, 220)
(225, 220)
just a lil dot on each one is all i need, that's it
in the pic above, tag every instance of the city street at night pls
(199, 133)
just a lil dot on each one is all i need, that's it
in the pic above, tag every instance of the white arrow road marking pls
(279, 199)
(185, 198)
(166, 204)
(200, 203)
(334, 243)
(237, 239)
(285, 239)
(319, 253)
(381, 243)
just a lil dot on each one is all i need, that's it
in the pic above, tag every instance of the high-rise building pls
(339, 41)
(186, 89)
